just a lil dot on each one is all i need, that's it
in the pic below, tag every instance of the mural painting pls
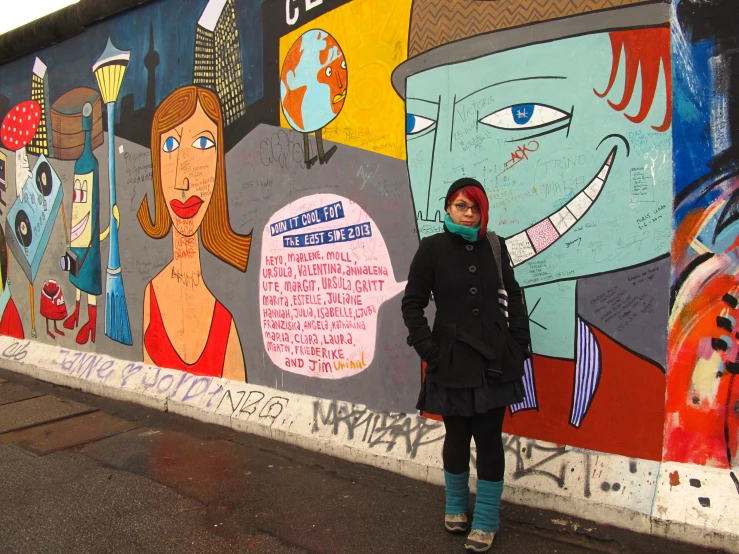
(10, 320)
(82, 259)
(325, 273)
(109, 70)
(30, 220)
(190, 196)
(553, 144)
(205, 142)
(702, 424)
(314, 61)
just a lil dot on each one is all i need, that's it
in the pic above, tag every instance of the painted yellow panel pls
(373, 35)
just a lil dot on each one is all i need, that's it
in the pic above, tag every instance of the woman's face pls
(464, 212)
(189, 157)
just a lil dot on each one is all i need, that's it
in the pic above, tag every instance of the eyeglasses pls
(461, 207)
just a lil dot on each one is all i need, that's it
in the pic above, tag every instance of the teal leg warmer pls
(487, 506)
(457, 492)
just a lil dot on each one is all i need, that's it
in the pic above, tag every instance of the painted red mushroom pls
(18, 129)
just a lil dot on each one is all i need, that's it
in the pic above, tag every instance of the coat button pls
(473, 290)
(469, 247)
(475, 312)
(472, 269)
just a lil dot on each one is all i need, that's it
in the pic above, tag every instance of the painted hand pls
(117, 217)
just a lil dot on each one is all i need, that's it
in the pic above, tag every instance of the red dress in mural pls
(210, 363)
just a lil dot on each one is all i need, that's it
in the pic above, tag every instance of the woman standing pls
(185, 326)
(475, 359)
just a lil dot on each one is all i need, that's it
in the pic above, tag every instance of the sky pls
(21, 14)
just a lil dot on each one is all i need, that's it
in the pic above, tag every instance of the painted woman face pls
(188, 170)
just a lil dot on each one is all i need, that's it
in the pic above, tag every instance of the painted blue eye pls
(524, 116)
(414, 124)
(523, 113)
(203, 143)
(170, 145)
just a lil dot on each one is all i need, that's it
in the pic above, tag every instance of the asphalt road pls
(80, 473)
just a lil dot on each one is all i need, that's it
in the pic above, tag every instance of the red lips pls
(187, 210)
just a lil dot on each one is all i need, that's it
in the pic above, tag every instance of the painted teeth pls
(77, 229)
(540, 236)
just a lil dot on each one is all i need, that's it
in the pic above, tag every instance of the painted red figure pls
(10, 324)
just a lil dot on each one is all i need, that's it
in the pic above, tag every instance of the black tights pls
(487, 429)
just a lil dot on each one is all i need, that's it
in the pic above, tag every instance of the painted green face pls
(574, 186)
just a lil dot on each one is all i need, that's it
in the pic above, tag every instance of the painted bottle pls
(82, 259)
(86, 165)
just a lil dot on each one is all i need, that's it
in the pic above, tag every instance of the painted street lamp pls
(109, 71)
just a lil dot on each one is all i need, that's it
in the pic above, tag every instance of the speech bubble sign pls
(325, 271)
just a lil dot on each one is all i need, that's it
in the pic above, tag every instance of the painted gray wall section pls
(630, 306)
(258, 186)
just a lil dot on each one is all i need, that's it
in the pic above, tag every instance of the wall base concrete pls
(689, 503)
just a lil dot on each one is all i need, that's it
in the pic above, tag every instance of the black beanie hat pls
(460, 184)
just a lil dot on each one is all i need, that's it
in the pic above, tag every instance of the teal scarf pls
(470, 234)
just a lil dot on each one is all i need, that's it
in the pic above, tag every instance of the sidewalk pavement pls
(80, 473)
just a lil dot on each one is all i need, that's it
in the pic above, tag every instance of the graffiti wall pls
(236, 188)
(217, 204)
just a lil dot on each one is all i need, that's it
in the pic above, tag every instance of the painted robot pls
(82, 259)
(544, 118)
(313, 86)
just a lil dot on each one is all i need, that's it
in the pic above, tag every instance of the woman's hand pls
(429, 353)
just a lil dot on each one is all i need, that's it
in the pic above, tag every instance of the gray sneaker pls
(457, 523)
(479, 541)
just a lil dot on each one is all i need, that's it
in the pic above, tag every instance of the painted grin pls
(78, 229)
(339, 97)
(540, 236)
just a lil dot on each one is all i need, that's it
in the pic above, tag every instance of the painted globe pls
(313, 81)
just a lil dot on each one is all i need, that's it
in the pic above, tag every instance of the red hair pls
(477, 196)
(648, 50)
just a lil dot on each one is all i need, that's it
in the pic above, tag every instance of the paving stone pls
(10, 454)
(52, 437)
(11, 392)
(35, 411)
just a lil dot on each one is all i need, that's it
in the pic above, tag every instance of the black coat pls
(464, 280)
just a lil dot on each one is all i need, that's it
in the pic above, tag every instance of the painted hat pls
(444, 32)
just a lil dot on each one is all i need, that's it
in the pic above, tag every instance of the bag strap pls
(87, 250)
(495, 245)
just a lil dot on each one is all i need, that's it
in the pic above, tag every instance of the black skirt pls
(444, 401)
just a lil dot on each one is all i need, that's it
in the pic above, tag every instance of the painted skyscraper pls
(218, 63)
(41, 143)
